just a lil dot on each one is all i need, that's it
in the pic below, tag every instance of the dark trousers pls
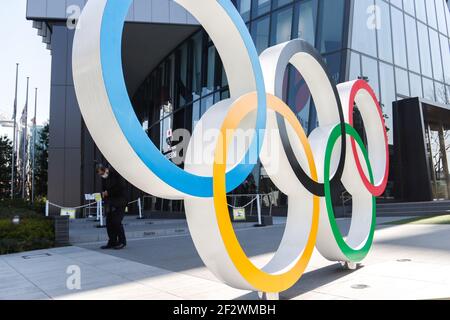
(114, 225)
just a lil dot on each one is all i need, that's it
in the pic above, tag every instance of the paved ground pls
(407, 262)
(86, 230)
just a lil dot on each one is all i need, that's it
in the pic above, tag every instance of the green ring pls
(352, 254)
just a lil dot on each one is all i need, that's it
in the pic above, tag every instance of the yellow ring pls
(256, 277)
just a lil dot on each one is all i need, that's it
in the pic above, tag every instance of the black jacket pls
(115, 187)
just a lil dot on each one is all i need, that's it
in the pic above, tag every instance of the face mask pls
(105, 175)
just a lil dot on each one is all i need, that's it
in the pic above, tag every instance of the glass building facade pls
(191, 79)
(403, 51)
(401, 47)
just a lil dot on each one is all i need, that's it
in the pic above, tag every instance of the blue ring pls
(111, 59)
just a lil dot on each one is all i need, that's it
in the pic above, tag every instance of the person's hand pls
(105, 194)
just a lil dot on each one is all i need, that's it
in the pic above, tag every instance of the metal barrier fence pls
(263, 199)
(268, 200)
(99, 209)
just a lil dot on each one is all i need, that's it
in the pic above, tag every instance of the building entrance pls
(421, 150)
(438, 152)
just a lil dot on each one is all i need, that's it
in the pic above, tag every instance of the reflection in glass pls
(431, 13)
(436, 55)
(280, 3)
(331, 14)
(355, 66)
(281, 26)
(425, 57)
(438, 152)
(298, 96)
(243, 7)
(416, 85)
(445, 47)
(440, 92)
(206, 103)
(210, 76)
(184, 93)
(333, 62)
(387, 95)
(413, 45)
(421, 11)
(363, 37)
(196, 65)
(261, 7)
(370, 71)
(428, 89)
(260, 33)
(384, 32)
(408, 6)
(401, 77)
(440, 10)
(398, 32)
(307, 18)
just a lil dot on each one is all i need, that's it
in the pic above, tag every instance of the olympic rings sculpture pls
(311, 166)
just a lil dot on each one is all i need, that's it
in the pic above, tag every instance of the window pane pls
(333, 62)
(401, 79)
(355, 66)
(387, 94)
(299, 97)
(441, 95)
(445, 46)
(182, 68)
(260, 33)
(440, 10)
(370, 71)
(416, 85)
(211, 71)
(424, 47)
(436, 55)
(197, 45)
(206, 103)
(195, 113)
(281, 26)
(397, 3)
(280, 3)
(448, 94)
(384, 32)
(243, 7)
(413, 46)
(307, 20)
(431, 13)
(331, 14)
(421, 12)
(398, 30)
(447, 14)
(260, 7)
(363, 35)
(408, 6)
(428, 89)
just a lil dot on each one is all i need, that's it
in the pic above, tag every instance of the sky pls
(21, 44)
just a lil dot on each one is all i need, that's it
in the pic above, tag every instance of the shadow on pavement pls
(309, 282)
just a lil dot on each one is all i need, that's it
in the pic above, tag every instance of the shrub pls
(33, 232)
(30, 233)
(18, 207)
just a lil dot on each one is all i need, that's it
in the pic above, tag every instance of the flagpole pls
(34, 145)
(13, 160)
(25, 131)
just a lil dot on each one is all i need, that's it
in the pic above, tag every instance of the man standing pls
(115, 204)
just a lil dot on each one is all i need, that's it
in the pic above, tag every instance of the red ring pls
(375, 190)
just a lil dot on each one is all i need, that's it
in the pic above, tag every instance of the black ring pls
(312, 186)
